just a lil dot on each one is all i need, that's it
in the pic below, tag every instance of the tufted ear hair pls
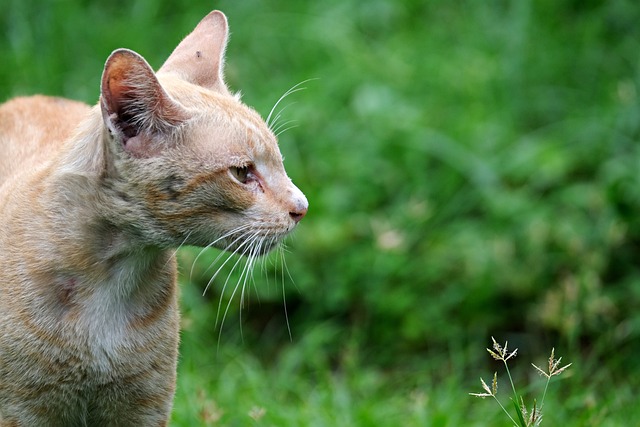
(199, 58)
(132, 100)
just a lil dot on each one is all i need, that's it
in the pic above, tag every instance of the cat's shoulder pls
(40, 107)
(35, 126)
(39, 112)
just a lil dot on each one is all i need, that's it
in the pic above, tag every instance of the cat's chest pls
(111, 323)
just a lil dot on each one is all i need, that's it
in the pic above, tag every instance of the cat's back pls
(33, 128)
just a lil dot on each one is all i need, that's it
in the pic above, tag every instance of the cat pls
(94, 203)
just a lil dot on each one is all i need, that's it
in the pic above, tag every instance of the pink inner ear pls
(199, 58)
(134, 145)
(143, 146)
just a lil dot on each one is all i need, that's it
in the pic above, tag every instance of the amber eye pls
(240, 173)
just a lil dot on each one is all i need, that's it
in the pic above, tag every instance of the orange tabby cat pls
(93, 203)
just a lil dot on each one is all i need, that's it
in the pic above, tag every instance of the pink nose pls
(299, 212)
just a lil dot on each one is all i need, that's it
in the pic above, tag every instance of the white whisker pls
(284, 126)
(284, 130)
(210, 245)
(246, 252)
(253, 256)
(224, 252)
(272, 125)
(177, 249)
(246, 242)
(293, 89)
(247, 246)
(286, 268)
(284, 295)
(248, 270)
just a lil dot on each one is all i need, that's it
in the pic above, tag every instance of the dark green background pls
(472, 169)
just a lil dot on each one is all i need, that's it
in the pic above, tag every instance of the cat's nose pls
(299, 210)
(299, 213)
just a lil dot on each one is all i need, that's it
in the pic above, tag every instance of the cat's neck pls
(84, 153)
(94, 258)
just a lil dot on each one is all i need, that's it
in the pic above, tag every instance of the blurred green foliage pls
(472, 167)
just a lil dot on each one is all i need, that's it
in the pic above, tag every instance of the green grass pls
(472, 169)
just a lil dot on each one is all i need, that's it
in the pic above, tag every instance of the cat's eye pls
(240, 173)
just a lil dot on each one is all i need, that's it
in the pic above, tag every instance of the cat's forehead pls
(224, 126)
(223, 122)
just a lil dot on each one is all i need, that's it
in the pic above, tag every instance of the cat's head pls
(186, 161)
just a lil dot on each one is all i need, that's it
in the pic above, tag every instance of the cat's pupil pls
(240, 173)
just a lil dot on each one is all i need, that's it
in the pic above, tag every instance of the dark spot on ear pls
(198, 54)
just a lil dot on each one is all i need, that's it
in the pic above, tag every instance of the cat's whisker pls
(222, 253)
(226, 248)
(284, 295)
(293, 89)
(250, 240)
(247, 245)
(272, 126)
(263, 260)
(248, 271)
(229, 257)
(254, 261)
(177, 249)
(285, 268)
(250, 264)
(283, 127)
(263, 270)
(210, 245)
(255, 257)
(275, 120)
(289, 128)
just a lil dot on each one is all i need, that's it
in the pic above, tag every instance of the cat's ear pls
(199, 58)
(132, 100)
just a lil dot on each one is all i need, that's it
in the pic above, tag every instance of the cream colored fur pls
(93, 203)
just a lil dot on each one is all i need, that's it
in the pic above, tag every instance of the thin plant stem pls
(515, 396)
(506, 412)
(544, 393)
